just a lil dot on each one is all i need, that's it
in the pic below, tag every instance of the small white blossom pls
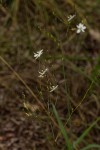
(53, 88)
(42, 73)
(71, 17)
(80, 28)
(38, 54)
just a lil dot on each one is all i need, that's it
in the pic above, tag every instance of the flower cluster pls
(80, 27)
(42, 73)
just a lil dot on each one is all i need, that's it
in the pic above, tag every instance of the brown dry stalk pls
(29, 89)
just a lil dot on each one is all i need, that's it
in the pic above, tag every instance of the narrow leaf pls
(63, 131)
(85, 133)
(91, 146)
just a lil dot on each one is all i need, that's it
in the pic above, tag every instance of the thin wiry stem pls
(58, 135)
(29, 89)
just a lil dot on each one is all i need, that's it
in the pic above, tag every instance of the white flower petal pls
(42, 73)
(38, 54)
(71, 17)
(78, 31)
(80, 28)
(53, 88)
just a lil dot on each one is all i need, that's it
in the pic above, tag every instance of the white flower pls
(71, 17)
(38, 54)
(42, 73)
(53, 88)
(80, 28)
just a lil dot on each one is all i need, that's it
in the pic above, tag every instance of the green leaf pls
(63, 131)
(85, 133)
(91, 146)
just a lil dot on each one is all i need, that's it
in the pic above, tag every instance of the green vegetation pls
(50, 74)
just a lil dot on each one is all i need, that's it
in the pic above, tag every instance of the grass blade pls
(85, 133)
(63, 131)
(91, 146)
